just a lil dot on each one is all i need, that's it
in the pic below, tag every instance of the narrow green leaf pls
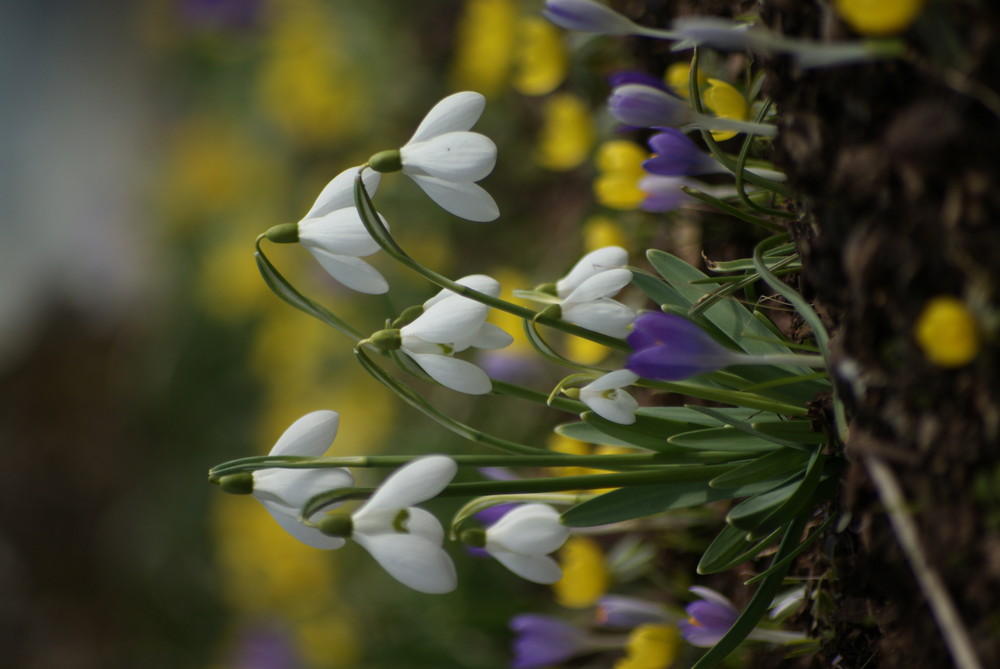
(774, 464)
(730, 548)
(798, 431)
(747, 428)
(722, 439)
(658, 290)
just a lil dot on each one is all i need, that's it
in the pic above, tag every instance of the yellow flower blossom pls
(586, 352)
(484, 46)
(600, 231)
(540, 59)
(948, 332)
(229, 286)
(651, 647)
(585, 573)
(678, 78)
(879, 18)
(329, 640)
(725, 101)
(567, 133)
(619, 163)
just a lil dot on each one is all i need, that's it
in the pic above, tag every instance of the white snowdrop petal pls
(616, 379)
(532, 529)
(619, 408)
(459, 375)
(447, 321)
(604, 315)
(340, 232)
(453, 156)
(535, 568)
(455, 113)
(413, 561)
(310, 435)
(478, 282)
(339, 193)
(353, 272)
(424, 524)
(465, 200)
(491, 337)
(603, 284)
(596, 261)
(310, 536)
(295, 487)
(411, 484)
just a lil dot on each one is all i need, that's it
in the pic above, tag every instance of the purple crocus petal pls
(699, 636)
(492, 514)
(677, 155)
(712, 615)
(648, 107)
(623, 77)
(628, 612)
(542, 641)
(587, 16)
(664, 193)
(709, 618)
(669, 347)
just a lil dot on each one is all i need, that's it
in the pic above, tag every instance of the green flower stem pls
(281, 287)
(417, 401)
(550, 459)
(665, 474)
(732, 397)
(717, 151)
(382, 237)
(741, 173)
(520, 392)
(731, 210)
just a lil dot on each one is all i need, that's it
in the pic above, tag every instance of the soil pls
(896, 163)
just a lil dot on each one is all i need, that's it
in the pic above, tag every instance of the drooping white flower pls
(445, 159)
(450, 324)
(606, 398)
(585, 292)
(523, 539)
(333, 232)
(403, 539)
(284, 492)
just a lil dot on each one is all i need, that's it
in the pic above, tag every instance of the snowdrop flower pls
(284, 492)
(605, 397)
(450, 324)
(333, 232)
(444, 158)
(585, 292)
(522, 540)
(403, 539)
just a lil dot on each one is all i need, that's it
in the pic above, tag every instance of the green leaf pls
(773, 510)
(799, 431)
(775, 464)
(730, 548)
(722, 439)
(748, 429)
(646, 432)
(753, 513)
(658, 291)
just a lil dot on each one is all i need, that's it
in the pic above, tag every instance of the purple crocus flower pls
(710, 618)
(626, 612)
(587, 16)
(676, 155)
(645, 106)
(665, 193)
(669, 347)
(542, 641)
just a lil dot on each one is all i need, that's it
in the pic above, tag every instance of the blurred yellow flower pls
(651, 647)
(329, 640)
(879, 18)
(619, 163)
(484, 46)
(585, 573)
(678, 77)
(307, 86)
(725, 101)
(541, 57)
(600, 231)
(229, 286)
(567, 132)
(948, 332)
(585, 352)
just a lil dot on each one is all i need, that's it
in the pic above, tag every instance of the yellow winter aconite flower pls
(947, 332)
(484, 46)
(541, 57)
(725, 101)
(619, 163)
(678, 77)
(879, 18)
(651, 647)
(585, 573)
(567, 133)
(601, 231)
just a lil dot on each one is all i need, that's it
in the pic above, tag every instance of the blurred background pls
(144, 144)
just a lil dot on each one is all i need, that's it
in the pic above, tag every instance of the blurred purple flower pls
(587, 16)
(710, 618)
(646, 106)
(264, 646)
(543, 640)
(622, 77)
(677, 155)
(669, 347)
(222, 13)
(665, 193)
(628, 612)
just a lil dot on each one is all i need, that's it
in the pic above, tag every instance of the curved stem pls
(378, 231)
(520, 392)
